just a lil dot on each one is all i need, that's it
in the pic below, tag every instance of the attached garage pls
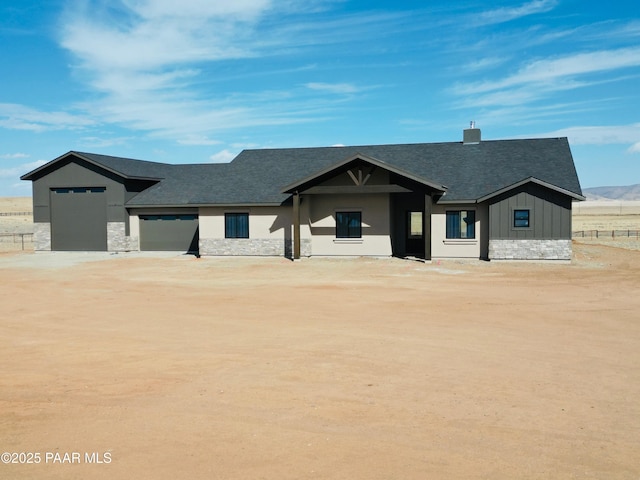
(177, 232)
(78, 219)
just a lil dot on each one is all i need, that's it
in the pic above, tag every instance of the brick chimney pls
(471, 135)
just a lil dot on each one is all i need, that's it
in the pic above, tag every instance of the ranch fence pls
(16, 241)
(606, 234)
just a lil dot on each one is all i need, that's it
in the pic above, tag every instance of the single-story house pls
(501, 199)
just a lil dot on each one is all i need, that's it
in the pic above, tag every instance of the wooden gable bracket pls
(359, 181)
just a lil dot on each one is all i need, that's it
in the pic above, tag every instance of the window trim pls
(529, 218)
(227, 233)
(473, 224)
(359, 227)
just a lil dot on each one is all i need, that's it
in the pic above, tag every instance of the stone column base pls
(42, 237)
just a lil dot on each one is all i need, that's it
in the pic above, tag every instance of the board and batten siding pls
(549, 218)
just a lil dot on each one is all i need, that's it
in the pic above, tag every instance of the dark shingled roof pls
(469, 171)
(126, 167)
(129, 167)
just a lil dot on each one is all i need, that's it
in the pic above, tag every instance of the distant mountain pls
(629, 192)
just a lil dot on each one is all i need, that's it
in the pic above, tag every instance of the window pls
(521, 218)
(79, 190)
(348, 225)
(236, 225)
(414, 225)
(168, 217)
(461, 224)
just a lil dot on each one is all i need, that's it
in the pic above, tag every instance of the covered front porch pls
(363, 207)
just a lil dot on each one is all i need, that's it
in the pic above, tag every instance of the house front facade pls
(505, 199)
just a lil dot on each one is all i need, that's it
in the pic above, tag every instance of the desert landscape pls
(168, 366)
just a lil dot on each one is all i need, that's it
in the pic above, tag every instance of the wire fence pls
(16, 241)
(15, 214)
(606, 234)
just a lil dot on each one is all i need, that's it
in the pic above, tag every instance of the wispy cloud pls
(149, 61)
(635, 148)
(507, 14)
(191, 139)
(102, 142)
(14, 155)
(223, 156)
(18, 170)
(150, 34)
(20, 117)
(338, 88)
(545, 79)
(555, 72)
(601, 135)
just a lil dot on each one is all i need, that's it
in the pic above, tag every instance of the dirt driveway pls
(133, 367)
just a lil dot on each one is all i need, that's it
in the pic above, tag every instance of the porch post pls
(296, 226)
(426, 230)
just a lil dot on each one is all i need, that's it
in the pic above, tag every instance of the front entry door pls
(410, 227)
(414, 233)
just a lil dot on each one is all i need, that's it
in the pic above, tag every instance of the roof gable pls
(316, 177)
(127, 168)
(532, 180)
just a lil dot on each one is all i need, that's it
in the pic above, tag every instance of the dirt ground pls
(166, 367)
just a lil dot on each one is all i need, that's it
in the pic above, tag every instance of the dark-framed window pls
(236, 225)
(168, 217)
(348, 224)
(521, 218)
(461, 224)
(414, 225)
(79, 190)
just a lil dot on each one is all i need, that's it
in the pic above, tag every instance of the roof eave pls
(456, 202)
(535, 180)
(32, 173)
(198, 205)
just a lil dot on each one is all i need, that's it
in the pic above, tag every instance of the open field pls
(15, 224)
(171, 367)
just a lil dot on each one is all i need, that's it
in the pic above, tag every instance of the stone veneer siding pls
(117, 241)
(530, 249)
(42, 237)
(252, 247)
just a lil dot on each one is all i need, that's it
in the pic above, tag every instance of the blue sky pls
(197, 81)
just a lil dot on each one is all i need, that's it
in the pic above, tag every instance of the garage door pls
(79, 219)
(169, 233)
